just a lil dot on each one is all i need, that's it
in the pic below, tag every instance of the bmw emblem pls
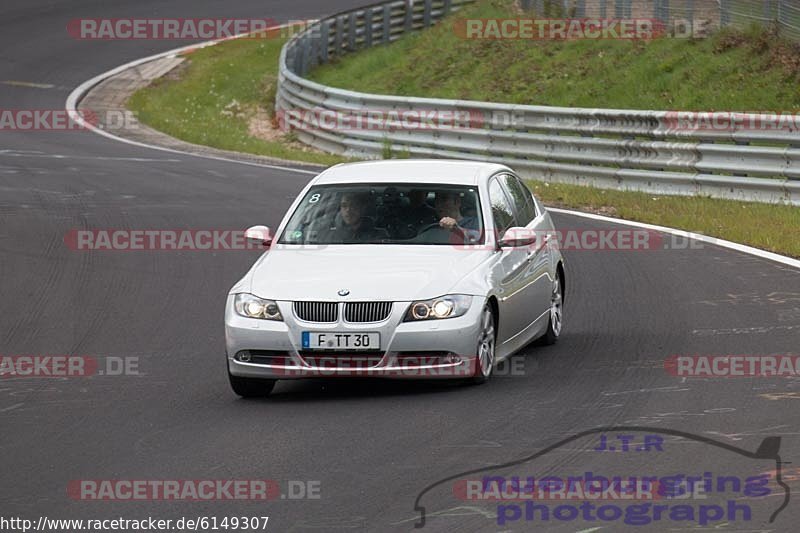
(343, 292)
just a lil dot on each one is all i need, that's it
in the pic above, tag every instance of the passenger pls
(416, 216)
(352, 226)
(419, 213)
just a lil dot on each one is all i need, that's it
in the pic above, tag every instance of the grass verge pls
(224, 94)
(750, 70)
(769, 227)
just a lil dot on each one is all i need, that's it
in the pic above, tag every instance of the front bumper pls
(434, 349)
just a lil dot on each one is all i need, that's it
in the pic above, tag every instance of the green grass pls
(196, 107)
(733, 70)
(769, 227)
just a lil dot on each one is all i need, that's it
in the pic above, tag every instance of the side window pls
(533, 206)
(502, 211)
(522, 198)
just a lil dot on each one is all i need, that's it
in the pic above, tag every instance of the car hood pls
(369, 272)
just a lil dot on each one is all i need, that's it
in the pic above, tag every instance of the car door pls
(509, 276)
(526, 268)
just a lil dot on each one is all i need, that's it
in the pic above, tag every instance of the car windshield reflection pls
(432, 214)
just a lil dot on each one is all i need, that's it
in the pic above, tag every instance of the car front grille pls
(322, 312)
(360, 312)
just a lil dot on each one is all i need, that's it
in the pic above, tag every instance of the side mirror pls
(258, 235)
(517, 237)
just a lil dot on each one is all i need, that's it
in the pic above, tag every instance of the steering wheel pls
(453, 236)
(430, 227)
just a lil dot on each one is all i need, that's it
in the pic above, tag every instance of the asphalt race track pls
(372, 446)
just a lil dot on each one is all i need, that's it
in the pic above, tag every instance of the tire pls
(251, 387)
(484, 360)
(556, 323)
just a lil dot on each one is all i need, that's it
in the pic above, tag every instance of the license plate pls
(341, 341)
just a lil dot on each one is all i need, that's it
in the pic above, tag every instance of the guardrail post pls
(665, 11)
(448, 7)
(409, 23)
(368, 14)
(618, 9)
(337, 37)
(305, 55)
(351, 32)
(298, 57)
(426, 17)
(291, 58)
(313, 46)
(581, 9)
(603, 7)
(387, 23)
(308, 53)
(323, 41)
(724, 14)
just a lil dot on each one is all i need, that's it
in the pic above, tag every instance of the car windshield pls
(431, 214)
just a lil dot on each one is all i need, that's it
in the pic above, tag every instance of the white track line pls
(76, 95)
(80, 91)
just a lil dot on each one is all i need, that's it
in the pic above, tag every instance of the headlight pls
(449, 306)
(251, 306)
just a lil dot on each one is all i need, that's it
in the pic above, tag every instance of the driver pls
(448, 210)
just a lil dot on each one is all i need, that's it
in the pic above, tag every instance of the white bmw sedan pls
(406, 269)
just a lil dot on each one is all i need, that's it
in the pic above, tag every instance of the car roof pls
(411, 171)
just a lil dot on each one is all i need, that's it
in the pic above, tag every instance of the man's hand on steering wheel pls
(449, 223)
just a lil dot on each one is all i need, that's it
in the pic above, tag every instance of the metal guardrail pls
(784, 15)
(607, 148)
